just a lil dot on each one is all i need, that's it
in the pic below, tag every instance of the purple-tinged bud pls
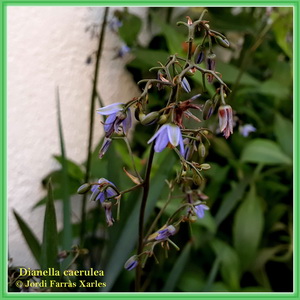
(211, 62)
(222, 41)
(104, 147)
(199, 55)
(225, 120)
(208, 109)
(185, 85)
(163, 234)
(131, 263)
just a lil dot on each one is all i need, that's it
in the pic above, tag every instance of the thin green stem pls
(159, 214)
(132, 159)
(92, 113)
(146, 186)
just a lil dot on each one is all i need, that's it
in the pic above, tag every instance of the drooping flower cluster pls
(172, 131)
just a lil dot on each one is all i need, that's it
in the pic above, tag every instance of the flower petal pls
(161, 141)
(109, 124)
(181, 146)
(127, 122)
(162, 128)
(110, 109)
(174, 134)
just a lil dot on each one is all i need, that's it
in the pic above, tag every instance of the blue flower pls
(123, 50)
(199, 210)
(117, 116)
(168, 134)
(103, 190)
(246, 129)
(163, 234)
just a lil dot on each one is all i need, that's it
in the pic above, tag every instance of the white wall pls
(48, 47)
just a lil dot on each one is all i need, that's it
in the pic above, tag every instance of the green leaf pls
(230, 74)
(131, 26)
(173, 37)
(230, 200)
(283, 129)
(221, 147)
(147, 58)
(50, 236)
(264, 151)
(230, 265)
(282, 28)
(177, 269)
(67, 226)
(29, 236)
(248, 227)
(74, 170)
(207, 222)
(273, 88)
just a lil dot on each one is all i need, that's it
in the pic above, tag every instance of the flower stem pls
(146, 185)
(92, 113)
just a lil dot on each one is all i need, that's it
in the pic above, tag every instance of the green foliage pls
(247, 233)
(31, 240)
(49, 251)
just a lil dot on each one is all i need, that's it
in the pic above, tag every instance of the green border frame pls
(3, 150)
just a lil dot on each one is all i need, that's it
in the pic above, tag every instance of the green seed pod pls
(136, 113)
(201, 150)
(150, 118)
(162, 119)
(197, 179)
(222, 42)
(141, 116)
(215, 99)
(84, 188)
(208, 109)
(205, 166)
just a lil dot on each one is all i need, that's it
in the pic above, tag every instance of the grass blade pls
(177, 269)
(31, 240)
(67, 226)
(50, 236)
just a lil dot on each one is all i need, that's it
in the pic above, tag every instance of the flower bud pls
(162, 119)
(222, 41)
(201, 150)
(197, 179)
(225, 120)
(84, 188)
(199, 55)
(131, 263)
(136, 113)
(205, 166)
(185, 85)
(208, 109)
(150, 118)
